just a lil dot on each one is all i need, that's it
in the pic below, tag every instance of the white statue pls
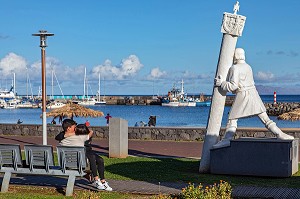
(236, 7)
(247, 101)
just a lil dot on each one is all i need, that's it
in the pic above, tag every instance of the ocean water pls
(166, 116)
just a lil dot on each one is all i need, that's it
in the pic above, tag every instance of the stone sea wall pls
(281, 107)
(142, 133)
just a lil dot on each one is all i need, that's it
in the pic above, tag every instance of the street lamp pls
(43, 36)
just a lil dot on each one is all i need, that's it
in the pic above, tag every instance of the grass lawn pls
(153, 170)
(182, 170)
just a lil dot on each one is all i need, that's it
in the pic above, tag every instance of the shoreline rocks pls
(281, 107)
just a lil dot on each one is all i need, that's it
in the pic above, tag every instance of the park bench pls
(39, 161)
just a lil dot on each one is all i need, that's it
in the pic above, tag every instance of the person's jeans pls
(96, 164)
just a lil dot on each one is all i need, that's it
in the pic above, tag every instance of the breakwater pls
(142, 133)
(280, 108)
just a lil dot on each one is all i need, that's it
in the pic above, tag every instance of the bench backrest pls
(71, 157)
(39, 156)
(10, 154)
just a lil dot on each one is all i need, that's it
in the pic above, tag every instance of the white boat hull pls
(24, 106)
(100, 103)
(171, 104)
(191, 103)
(87, 103)
(55, 105)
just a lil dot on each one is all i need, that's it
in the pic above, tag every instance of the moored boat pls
(100, 102)
(54, 105)
(172, 103)
(24, 105)
(87, 102)
(202, 101)
(178, 98)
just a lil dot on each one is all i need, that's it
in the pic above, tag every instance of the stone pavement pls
(162, 149)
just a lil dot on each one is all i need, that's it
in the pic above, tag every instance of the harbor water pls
(165, 116)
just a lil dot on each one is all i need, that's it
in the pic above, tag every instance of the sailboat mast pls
(27, 81)
(14, 84)
(52, 84)
(86, 87)
(99, 88)
(84, 80)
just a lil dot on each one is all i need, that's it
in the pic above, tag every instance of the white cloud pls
(264, 76)
(13, 63)
(71, 78)
(129, 67)
(156, 73)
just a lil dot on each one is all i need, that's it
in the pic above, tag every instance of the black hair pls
(82, 129)
(68, 123)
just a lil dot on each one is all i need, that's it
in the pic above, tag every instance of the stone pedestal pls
(118, 138)
(256, 157)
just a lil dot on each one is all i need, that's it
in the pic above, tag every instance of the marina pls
(176, 109)
(165, 116)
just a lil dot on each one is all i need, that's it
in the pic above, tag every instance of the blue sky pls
(144, 47)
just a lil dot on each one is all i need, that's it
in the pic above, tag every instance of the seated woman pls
(82, 137)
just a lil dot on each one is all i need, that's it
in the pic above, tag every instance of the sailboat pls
(99, 101)
(54, 104)
(27, 102)
(86, 101)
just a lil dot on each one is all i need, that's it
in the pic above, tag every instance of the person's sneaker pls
(102, 186)
(96, 183)
(106, 186)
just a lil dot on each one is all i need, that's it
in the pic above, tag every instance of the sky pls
(144, 47)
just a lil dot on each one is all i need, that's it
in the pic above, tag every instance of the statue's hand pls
(218, 80)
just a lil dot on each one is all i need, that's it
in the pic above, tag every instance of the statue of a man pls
(247, 101)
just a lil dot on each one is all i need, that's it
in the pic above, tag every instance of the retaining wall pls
(142, 133)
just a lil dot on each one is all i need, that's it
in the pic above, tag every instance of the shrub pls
(221, 190)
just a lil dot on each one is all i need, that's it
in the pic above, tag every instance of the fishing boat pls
(172, 102)
(178, 97)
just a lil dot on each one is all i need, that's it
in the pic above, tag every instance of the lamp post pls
(43, 36)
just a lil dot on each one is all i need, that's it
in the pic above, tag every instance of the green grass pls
(159, 170)
(182, 170)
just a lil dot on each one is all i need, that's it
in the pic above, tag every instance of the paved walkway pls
(143, 148)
